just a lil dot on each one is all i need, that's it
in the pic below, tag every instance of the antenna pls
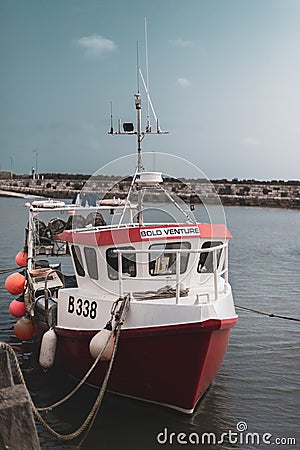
(128, 127)
(137, 67)
(148, 127)
(111, 120)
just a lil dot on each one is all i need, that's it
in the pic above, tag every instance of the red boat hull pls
(170, 365)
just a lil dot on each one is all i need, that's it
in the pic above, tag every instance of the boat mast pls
(139, 155)
(139, 130)
(129, 128)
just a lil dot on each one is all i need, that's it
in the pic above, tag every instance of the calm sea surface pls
(259, 381)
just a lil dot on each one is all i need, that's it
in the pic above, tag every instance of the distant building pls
(6, 175)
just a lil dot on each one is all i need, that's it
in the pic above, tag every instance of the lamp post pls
(11, 166)
(36, 162)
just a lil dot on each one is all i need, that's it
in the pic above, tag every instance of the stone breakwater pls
(275, 194)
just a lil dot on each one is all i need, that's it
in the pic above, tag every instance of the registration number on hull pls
(80, 307)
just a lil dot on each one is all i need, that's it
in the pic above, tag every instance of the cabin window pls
(128, 263)
(164, 263)
(76, 253)
(205, 264)
(91, 262)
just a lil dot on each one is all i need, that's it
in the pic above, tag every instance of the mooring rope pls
(243, 308)
(120, 316)
(11, 269)
(83, 380)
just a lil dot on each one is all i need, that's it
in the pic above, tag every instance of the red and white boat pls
(174, 276)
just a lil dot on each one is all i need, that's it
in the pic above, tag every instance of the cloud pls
(181, 43)
(250, 141)
(96, 45)
(183, 82)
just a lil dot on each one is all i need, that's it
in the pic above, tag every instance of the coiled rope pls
(120, 316)
(243, 308)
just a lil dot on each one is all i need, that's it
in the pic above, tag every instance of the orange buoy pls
(21, 259)
(17, 308)
(15, 283)
(24, 329)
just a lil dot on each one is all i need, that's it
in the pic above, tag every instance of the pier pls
(274, 194)
(17, 426)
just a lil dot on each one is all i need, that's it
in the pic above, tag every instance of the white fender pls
(98, 343)
(48, 348)
(48, 204)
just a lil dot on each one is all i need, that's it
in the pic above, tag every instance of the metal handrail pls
(216, 274)
(172, 250)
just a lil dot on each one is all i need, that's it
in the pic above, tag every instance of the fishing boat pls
(153, 296)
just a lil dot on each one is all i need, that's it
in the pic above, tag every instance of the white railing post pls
(177, 277)
(215, 274)
(226, 269)
(120, 273)
(30, 242)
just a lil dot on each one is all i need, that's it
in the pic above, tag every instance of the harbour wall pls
(275, 193)
(17, 426)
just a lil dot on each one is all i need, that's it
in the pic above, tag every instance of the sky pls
(223, 78)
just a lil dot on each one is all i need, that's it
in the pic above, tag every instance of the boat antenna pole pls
(111, 119)
(148, 126)
(138, 108)
(137, 67)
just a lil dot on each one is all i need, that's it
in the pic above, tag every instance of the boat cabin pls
(172, 258)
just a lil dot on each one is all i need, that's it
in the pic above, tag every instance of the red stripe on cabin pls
(128, 235)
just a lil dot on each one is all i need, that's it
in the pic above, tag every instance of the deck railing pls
(217, 272)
